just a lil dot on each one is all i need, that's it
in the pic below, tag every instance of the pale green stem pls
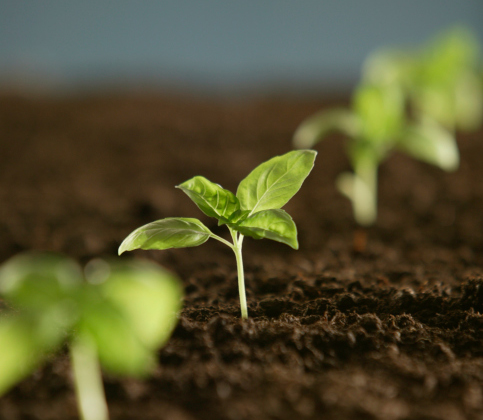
(241, 278)
(223, 241)
(237, 249)
(91, 399)
(365, 193)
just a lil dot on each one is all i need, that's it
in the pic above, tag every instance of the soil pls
(380, 324)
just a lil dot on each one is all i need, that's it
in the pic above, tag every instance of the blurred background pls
(210, 46)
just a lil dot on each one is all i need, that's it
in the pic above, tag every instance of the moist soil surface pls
(382, 323)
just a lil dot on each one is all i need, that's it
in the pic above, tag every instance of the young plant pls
(254, 211)
(372, 126)
(441, 88)
(115, 315)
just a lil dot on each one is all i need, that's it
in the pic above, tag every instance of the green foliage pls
(210, 198)
(22, 347)
(270, 224)
(409, 102)
(172, 232)
(254, 211)
(273, 183)
(441, 81)
(431, 143)
(124, 310)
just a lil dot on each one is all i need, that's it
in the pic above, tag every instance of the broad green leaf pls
(172, 232)
(38, 281)
(319, 125)
(119, 347)
(19, 352)
(431, 143)
(270, 224)
(149, 296)
(211, 199)
(273, 183)
(24, 342)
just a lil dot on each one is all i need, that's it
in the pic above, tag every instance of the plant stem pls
(365, 194)
(237, 249)
(91, 399)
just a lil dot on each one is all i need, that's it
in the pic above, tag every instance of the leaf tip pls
(123, 248)
(312, 152)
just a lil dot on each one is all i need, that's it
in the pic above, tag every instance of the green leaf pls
(431, 143)
(210, 198)
(118, 345)
(271, 224)
(319, 125)
(38, 281)
(19, 352)
(172, 232)
(149, 296)
(273, 183)
(24, 342)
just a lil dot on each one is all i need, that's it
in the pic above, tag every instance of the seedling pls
(254, 211)
(116, 315)
(442, 90)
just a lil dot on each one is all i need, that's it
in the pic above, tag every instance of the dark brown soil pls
(392, 332)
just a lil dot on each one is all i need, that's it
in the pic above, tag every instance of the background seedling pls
(254, 211)
(441, 88)
(116, 315)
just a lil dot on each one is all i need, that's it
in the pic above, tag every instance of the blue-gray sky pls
(212, 44)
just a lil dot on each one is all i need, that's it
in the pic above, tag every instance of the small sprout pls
(373, 126)
(118, 318)
(440, 87)
(254, 211)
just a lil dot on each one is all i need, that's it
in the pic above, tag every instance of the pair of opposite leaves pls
(254, 211)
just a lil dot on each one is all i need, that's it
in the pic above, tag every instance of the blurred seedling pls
(254, 211)
(435, 85)
(115, 315)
